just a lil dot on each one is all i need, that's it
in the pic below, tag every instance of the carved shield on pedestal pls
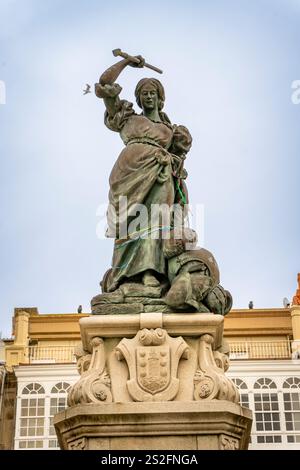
(152, 358)
(153, 368)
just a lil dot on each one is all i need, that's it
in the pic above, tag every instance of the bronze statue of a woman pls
(151, 267)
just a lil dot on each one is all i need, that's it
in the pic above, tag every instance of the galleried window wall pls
(275, 403)
(36, 406)
(273, 399)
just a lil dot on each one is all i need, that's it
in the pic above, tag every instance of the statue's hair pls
(157, 85)
(160, 93)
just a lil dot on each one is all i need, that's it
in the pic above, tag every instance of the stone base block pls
(213, 425)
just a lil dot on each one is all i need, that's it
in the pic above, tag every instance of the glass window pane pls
(258, 406)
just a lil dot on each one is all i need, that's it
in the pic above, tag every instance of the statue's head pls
(150, 93)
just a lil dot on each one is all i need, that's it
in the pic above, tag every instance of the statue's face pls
(149, 97)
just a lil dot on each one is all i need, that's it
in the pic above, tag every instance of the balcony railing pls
(49, 354)
(260, 350)
(238, 350)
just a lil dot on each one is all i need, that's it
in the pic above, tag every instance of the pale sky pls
(228, 71)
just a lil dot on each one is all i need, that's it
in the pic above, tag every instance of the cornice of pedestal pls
(127, 326)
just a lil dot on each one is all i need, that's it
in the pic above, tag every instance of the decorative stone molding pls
(83, 359)
(127, 326)
(150, 392)
(152, 357)
(167, 425)
(228, 442)
(221, 360)
(79, 444)
(210, 381)
(94, 384)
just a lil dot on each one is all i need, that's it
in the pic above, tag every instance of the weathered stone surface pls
(175, 361)
(214, 425)
(94, 384)
(116, 309)
(152, 357)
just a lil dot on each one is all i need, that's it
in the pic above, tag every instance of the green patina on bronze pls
(149, 170)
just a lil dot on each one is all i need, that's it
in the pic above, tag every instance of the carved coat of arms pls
(152, 357)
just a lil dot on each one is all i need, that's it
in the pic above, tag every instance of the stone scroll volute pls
(94, 384)
(210, 381)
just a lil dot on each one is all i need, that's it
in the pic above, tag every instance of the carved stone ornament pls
(228, 443)
(79, 444)
(152, 357)
(94, 384)
(83, 359)
(210, 381)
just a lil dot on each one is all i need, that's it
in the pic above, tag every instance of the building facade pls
(39, 368)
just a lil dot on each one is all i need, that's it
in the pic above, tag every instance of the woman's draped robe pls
(143, 174)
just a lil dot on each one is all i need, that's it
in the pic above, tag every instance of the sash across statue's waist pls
(144, 140)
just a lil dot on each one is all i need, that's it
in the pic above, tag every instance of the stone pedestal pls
(153, 381)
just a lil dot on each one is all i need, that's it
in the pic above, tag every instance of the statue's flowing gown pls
(144, 174)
